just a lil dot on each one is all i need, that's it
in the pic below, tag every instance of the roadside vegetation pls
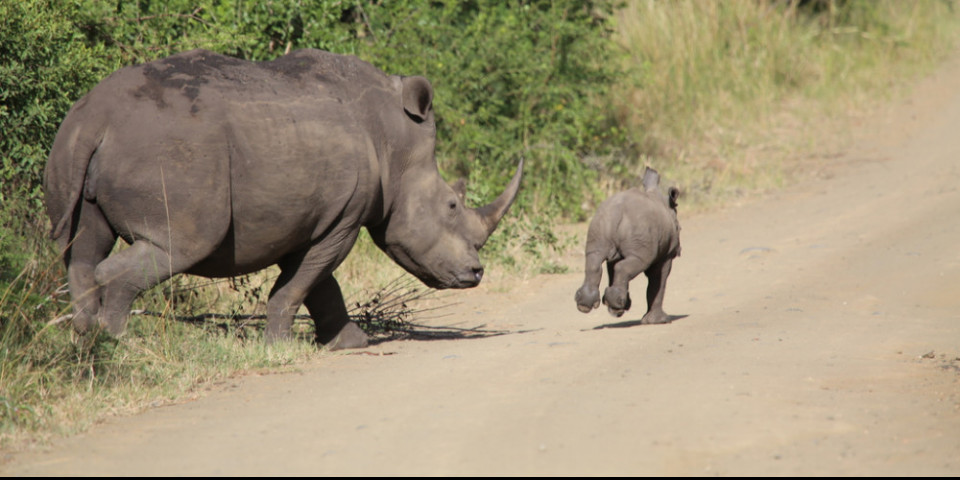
(725, 98)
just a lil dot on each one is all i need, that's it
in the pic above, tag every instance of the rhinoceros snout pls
(472, 277)
(468, 278)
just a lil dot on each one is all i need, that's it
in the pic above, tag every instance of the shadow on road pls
(634, 323)
(427, 332)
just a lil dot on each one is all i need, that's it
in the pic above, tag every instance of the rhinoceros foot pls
(587, 299)
(617, 300)
(655, 317)
(350, 336)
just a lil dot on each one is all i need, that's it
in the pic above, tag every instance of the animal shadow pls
(634, 323)
(414, 331)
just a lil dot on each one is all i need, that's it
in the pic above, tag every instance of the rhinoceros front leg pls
(588, 295)
(297, 276)
(307, 278)
(656, 286)
(330, 318)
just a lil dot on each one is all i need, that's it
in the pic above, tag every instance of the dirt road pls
(818, 333)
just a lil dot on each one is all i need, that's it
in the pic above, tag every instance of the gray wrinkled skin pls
(633, 231)
(215, 166)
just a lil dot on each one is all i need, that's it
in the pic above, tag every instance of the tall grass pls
(51, 383)
(726, 96)
(186, 333)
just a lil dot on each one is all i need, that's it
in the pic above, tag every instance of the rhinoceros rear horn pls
(491, 213)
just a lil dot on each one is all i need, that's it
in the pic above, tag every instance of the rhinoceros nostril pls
(478, 273)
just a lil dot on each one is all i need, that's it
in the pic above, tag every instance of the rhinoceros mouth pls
(467, 279)
(471, 278)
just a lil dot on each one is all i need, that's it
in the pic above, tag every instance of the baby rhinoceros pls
(633, 231)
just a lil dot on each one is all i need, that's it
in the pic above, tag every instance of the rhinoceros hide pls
(215, 166)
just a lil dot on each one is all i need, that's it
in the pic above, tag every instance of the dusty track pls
(819, 333)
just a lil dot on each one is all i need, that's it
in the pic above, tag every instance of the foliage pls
(45, 66)
(512, 79)
(140, 31)
(52, 382)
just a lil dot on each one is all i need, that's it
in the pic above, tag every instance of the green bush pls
(512, 79)
(146, 30)
(45, 66)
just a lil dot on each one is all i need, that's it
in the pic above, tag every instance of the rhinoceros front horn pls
(491, 213)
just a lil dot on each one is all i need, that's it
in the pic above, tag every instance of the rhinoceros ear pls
(417, 97)
(651, 179)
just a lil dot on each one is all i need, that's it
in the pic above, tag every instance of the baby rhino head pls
(651, 184)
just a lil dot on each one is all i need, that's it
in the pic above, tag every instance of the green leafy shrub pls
(45, 66)
(515, 79)
(144, 31)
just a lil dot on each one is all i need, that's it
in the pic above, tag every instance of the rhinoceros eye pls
(452, 205)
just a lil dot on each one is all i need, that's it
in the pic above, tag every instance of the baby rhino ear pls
(651, 179)
(674, 194)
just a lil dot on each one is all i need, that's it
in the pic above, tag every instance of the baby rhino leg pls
(617, 295)
(657, 275)
(588, 295)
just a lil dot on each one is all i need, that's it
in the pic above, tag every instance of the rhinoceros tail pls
(57, 229)
(66, 171)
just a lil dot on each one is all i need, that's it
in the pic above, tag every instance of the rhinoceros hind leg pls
(125, 274)
(657, 278)
(655, 317)
(88, 244)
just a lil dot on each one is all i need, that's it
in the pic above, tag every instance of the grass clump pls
(53, 384)
(729, 97)
(184, 334)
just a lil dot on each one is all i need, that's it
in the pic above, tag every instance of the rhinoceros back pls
(183, 135)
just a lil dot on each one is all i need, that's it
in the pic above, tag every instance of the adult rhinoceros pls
(216, 166)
